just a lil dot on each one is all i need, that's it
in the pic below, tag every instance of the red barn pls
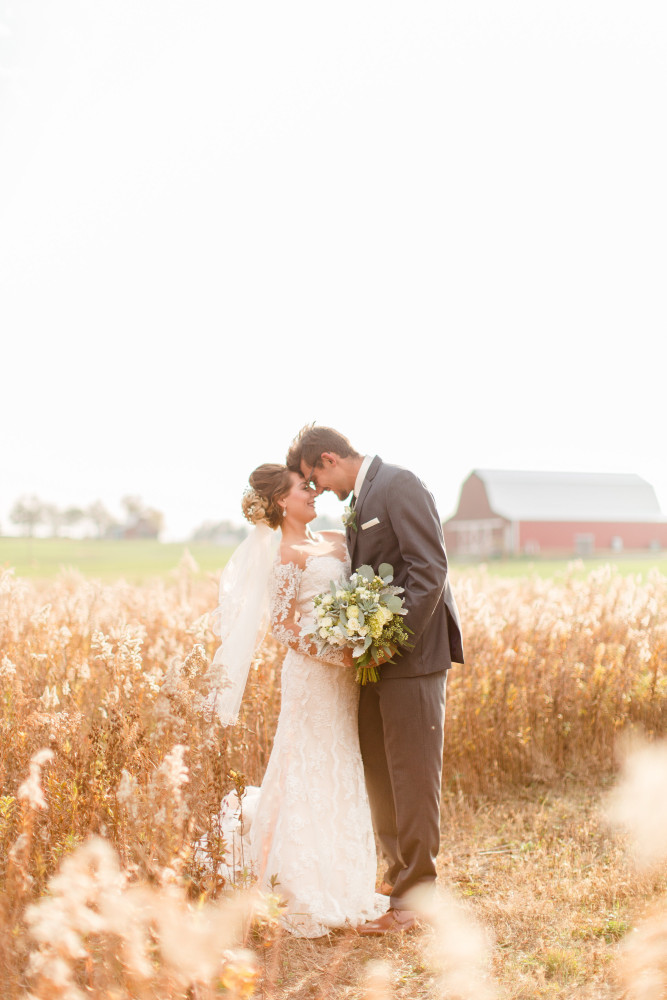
(503, 513)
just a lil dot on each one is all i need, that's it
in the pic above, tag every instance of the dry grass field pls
(109, 774)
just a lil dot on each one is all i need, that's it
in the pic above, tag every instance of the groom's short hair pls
(312, 441)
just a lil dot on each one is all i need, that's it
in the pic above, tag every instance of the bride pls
(311, 833)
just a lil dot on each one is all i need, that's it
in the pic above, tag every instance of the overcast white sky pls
(440, 227)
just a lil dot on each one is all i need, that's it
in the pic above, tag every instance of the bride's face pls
(300, 501)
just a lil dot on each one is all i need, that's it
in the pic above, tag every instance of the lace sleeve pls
(284, 625)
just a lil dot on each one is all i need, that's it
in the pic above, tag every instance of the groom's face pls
(329, 475)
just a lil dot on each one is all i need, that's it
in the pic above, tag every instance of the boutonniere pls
(350, 518)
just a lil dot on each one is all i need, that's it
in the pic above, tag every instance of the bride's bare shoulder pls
(335, 539)
(292, 554)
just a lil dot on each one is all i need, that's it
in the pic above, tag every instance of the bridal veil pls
(241, 619)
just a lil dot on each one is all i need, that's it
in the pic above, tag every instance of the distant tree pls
(154, 519)
(134, 509)
(219, 533)
(100, 517)
(28, 512)
(141, 521)
(73, 516)
(54, 517)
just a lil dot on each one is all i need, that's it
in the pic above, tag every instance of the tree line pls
(140, 521)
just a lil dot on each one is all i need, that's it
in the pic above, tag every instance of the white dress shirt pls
(361, 475)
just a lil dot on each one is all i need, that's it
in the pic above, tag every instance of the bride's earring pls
(284, 511)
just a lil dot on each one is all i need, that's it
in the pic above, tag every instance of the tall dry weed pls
(556, 670)
(102, 733)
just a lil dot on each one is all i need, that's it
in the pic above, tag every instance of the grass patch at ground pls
(539, 870)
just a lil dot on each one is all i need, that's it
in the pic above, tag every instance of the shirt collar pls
(361, 475)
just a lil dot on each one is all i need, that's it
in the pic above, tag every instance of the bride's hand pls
(348, 661)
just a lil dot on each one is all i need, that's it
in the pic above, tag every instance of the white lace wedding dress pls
(311, 828)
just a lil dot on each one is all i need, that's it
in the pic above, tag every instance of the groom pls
(402, 717)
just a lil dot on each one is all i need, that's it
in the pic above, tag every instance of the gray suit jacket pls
(408, 534)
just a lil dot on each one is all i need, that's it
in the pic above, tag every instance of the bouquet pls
(365, 614)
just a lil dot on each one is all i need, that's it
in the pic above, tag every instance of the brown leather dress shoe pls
(391, 922)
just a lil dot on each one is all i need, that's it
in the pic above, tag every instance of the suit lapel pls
(368, 481)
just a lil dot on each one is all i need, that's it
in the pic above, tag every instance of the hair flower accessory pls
(254, 506)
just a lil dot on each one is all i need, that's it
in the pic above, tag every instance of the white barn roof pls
(569, 496)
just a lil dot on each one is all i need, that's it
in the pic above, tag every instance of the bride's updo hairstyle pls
(269, 483)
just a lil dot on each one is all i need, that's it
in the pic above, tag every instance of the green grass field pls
(136, 560)
(141, 560)
(545, 568)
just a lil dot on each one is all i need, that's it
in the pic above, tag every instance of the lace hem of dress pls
(308, 914)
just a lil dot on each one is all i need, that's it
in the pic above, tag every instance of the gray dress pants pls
(401, 733)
